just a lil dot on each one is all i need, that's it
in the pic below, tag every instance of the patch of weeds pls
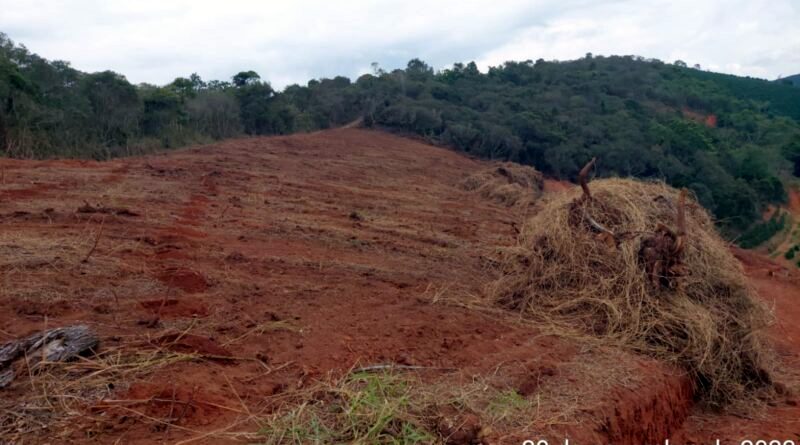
(362, 409)
(506, 404)
(404, 409)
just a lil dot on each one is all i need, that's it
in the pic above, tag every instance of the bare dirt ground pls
(225, 277)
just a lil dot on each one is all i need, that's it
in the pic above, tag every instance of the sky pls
(293, 41)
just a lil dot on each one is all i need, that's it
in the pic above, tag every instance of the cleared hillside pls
(734, 141)
(233, 283)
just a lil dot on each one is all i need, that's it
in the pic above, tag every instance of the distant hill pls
(731, 140)
(793, 80)
(776, 97)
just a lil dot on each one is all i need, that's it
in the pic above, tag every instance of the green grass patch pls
(507, 403)
(363, 408)
(404, 409)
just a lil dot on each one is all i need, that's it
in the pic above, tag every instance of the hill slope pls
(732, 140)
(302, 256)
(230, 280)
(793, 80)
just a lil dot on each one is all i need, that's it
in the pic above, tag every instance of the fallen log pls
(53, 345)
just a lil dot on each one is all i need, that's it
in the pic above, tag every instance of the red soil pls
(191, 343)
(308, 254)
(174, 308)
(189, 281)
(709, 120)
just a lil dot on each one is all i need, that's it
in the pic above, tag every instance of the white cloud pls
(745, 37)
(287, 42)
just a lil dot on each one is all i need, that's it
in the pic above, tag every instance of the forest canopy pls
(734, 141)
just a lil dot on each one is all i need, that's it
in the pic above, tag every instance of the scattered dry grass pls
(61, 392)
(561, 274)
(58, 394)
(507, 183)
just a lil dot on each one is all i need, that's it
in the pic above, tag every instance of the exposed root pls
(583, 179)
(661, 254)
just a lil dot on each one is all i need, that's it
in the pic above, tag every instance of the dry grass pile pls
(507, 183)
(698, 313)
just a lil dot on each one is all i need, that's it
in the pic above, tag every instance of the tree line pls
(733, 141)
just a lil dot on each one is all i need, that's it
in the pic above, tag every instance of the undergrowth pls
(363, 409)
(763, 231)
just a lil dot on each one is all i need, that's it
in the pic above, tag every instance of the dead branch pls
(603, 233)
(54, 345)
(96, 241)
(583, 178)
(680, 238)
(662, 253)
(186, 406)
(597, 226)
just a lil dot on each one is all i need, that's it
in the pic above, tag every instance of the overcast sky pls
(293, 41)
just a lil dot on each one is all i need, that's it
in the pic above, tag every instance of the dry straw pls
(507, 183)
(560, 272)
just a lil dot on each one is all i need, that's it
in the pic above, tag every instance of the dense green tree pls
(792, 152)
(163, 107)
(215, 114)
(255, 99)
(246, 78)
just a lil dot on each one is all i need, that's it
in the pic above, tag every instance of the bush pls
(763, 231)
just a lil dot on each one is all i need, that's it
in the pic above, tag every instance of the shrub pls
(763, 231)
